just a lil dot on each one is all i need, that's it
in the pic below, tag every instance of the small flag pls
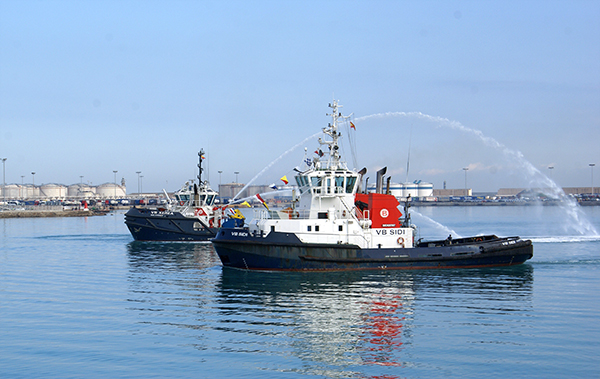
(261, 200)
(274, 186)
(308, 162)
(352, 125)
(284, 179)
(246, 204)
(235, 213)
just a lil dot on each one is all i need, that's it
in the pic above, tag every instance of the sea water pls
(80, 299)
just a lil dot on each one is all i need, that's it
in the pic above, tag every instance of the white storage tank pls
(12, 191)
(425, 189)
(53, 191)
(111, 190)
(411, 189)
(81, 190)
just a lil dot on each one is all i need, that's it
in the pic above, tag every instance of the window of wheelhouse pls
(339, 184)
(302, 183)
(210, 199)
(350, 182)
(315, 183)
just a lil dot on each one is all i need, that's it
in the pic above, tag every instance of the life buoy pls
(400, 241)
(344, 213)
(181, 202)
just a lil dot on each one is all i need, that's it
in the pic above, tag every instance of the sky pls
(90, 87)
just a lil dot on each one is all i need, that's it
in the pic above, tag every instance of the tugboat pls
(192, 217)
(333, 225)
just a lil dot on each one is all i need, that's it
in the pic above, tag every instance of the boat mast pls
(332, 131)
(200, 169)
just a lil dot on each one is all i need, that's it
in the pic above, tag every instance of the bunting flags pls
(273, 186)
(262, 201)
(235, 213)
(352, 125)
(246, 204)
(284, 179)
(319, 152)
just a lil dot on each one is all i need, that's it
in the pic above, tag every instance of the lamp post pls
(592, 167)
(551, 168)
(115, 172)
(236, 175)
(81, 180)
(141, 183)
(3, 180)
(466, 169)
(32, 183)
(21, 189)
(139, 190)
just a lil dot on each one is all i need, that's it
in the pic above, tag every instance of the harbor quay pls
(83, 200)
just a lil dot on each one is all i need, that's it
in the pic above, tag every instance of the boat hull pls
(156, 225)
(285, 252)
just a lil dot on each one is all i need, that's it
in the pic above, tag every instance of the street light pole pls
(236, 175)
(592, 166)
(3, 180)
(139, 190)
(32, 183)
(551, 168)
(466, 191)
(115, 172)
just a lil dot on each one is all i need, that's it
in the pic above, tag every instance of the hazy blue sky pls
(88, 87)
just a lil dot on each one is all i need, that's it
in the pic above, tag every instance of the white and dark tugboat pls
(333, 225)
(193, 216)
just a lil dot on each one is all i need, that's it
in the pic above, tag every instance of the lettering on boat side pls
(390, 232)
(239, 234)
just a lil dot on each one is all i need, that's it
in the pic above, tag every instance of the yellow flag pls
(246, 204)
(284, 179)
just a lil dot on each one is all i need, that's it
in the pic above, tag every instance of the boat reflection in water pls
(352, 324)
(172, 255)
(358, 324)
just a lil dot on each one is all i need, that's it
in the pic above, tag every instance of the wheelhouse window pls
(339, 184)
(350, 182)
(302, 183)
(316, 184)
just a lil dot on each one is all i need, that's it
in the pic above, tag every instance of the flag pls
(319, 152)
(284, 179)
(352, 125)
(235, 213)
(308, 162)
(246, 204)
(273, 186)
(261, 200)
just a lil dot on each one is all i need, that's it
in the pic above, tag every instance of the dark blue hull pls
(285, 252)
(157, 225)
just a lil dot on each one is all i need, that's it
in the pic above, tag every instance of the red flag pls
(352, 125)
(262, 201)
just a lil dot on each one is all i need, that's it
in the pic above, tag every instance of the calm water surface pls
(79, 298)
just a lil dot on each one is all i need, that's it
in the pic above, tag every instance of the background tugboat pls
(193, 216)
(334, 226)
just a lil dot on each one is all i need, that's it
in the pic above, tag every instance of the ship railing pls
(281, 214)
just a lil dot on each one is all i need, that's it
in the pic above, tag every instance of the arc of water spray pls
(275, 161)
(581, 224)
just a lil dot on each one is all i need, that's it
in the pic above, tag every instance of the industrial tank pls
(111, 190)
(53, 191)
